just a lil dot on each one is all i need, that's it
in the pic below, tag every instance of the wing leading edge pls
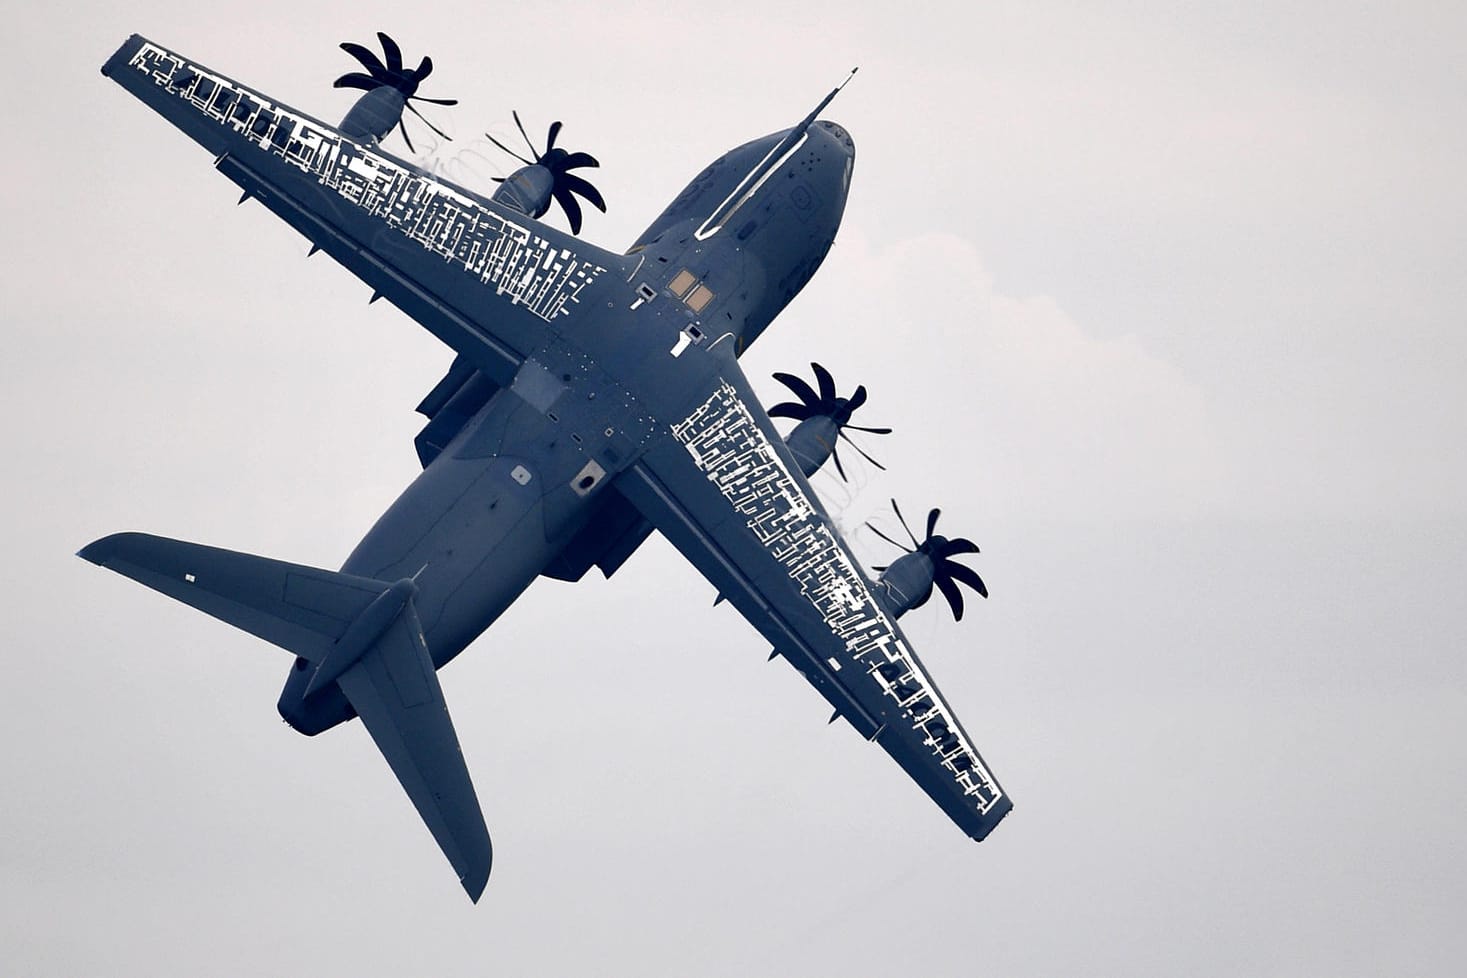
(723, 488)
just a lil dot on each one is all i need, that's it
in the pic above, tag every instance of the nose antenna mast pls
(799, 130)
(768, 165)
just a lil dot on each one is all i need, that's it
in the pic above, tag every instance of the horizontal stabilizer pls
(299, 608)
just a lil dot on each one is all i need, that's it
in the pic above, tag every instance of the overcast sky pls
(1165, 305)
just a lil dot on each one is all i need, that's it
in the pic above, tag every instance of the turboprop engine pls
(822, 418)
(907, 583)
(530, 189)
(390, 88)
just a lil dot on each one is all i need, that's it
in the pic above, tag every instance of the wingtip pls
(103, 549)
(120, 56)
(474, 884)
(991, 823)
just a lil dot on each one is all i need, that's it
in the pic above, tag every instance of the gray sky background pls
(1165, 304)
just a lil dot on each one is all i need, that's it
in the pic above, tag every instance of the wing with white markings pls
(486, 280)
(722, 486)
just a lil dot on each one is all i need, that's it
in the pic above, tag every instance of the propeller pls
(945, 572)
(826, 404)
(564, 184)
(390, 73)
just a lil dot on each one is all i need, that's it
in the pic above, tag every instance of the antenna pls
(772, 161)
(800, 129)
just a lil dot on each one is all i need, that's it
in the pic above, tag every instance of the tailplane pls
(361, 634)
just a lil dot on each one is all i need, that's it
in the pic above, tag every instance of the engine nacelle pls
(374, 114)
(527, 190)
(812, 442)
(907, 583)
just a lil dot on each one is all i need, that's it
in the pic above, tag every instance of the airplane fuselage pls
(530, 470)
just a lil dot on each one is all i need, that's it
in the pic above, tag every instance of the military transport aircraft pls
(594, 398)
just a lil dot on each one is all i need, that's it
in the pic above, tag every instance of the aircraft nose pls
(841, 137)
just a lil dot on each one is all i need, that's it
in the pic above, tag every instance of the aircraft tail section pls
(364, 635)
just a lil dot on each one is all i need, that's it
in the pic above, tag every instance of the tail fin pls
(360, 633)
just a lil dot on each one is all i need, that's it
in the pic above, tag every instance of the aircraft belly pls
(505, 496)
(472, 538)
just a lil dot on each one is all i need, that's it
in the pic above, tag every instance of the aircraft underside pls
(595, 397)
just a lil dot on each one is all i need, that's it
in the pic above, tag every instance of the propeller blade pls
(403, 126)
(424, 68)
(869, 431)
(355, 79)
(898, 510)
(827, 383)
(533, 151)
(799, 387)
(953, 595)
(550, 137)
(568, 204)
(509, 151)
(789, 409)
(369, 60)
(960, 545)
(576, 185)
(964, 573)
(857, 399)
(393, 52)
(900, 546)
(430, 125)
(835, 455)
(861, 450)
(575, 160)
(435, 101)
(932, 521)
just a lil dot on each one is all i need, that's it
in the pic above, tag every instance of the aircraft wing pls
(486, 280)
(722, 486)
